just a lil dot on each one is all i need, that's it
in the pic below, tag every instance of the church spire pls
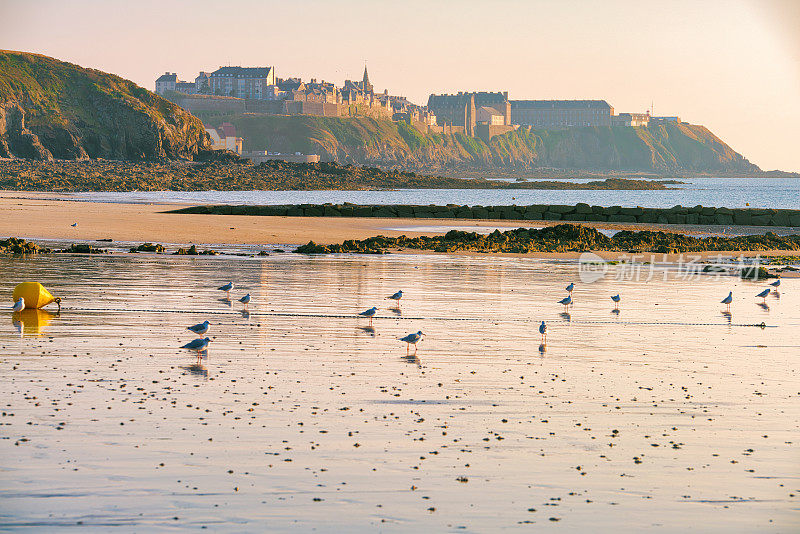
(367, 85)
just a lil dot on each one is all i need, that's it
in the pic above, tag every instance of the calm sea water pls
(728, 192)
(667, 417)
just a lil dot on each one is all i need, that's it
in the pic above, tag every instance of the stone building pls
(166, 82)
(455, 110)
(242, 82)
(462, 109)
(561, 113)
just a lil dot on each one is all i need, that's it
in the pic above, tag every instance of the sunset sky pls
(732, 65)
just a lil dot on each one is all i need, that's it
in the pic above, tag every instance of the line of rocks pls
(537, 212)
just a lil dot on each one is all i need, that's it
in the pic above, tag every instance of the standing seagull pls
(245, 300)
(727, 300)
(570, 287)
(197, 344)
(763, 294)
(543, 331)
(18, 305)
(200, 329)
(616, 300)
(412, 339)
(369, 313)
(227, 289)
(776, 283)
(566, 301)
(396, 297)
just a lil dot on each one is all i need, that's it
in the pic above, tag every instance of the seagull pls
(369, 313)
(396, 297)
(18, 305)
(570, 287)
(412, 339)
(543, 331)
(776, 283)
(200, 329)
(197, 344)
(616, 300)
(245, 300)
(226, 288)
(763, 294)
(566, 301)
(727, 300)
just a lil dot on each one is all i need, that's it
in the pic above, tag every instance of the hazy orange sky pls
(732, 65)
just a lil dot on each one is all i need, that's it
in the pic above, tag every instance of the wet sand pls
(667, 417)
(50, 216)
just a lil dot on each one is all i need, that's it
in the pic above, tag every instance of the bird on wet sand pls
(570, 287)
(369, 313)
(763, 294)
(18, 306)
(396, 297)
(776, 283)
(245, 300)
(616, 300)
(412, 339)
(197, 344)
(200, 328)
(227, 289)
(543, 331)
(566, 301)
(727, 300)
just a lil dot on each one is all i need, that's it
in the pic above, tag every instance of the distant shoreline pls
(34, 216)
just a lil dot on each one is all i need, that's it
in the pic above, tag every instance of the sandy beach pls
(50, 216)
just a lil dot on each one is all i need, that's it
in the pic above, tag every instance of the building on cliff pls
(561, 113)
(166, 82)
(467, 110)
(630, 119)
(242, 82)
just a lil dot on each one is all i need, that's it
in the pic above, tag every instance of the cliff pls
(667, 148)
(53, 109)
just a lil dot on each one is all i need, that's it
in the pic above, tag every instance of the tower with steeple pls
(365, 83)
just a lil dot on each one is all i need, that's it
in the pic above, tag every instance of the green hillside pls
(669, 147)
(50, 108)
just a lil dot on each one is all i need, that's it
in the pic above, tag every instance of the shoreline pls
(45, 216)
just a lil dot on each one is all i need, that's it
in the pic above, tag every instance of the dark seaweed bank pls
(105, 175)
(560, 238)
(538, 212)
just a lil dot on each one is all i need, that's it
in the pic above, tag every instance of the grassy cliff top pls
(102, 113)
(53, 91)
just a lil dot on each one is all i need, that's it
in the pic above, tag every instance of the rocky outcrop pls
(52, 109)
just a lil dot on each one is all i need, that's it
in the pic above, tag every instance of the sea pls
(718, 192)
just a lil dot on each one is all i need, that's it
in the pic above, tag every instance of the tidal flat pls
(668, 416)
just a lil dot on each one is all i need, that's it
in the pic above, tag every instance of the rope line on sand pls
(409, 318)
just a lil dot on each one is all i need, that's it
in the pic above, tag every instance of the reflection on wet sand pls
(32, 322)
(368, 330)
(412, 358)
(728, 316)
(197, 369)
